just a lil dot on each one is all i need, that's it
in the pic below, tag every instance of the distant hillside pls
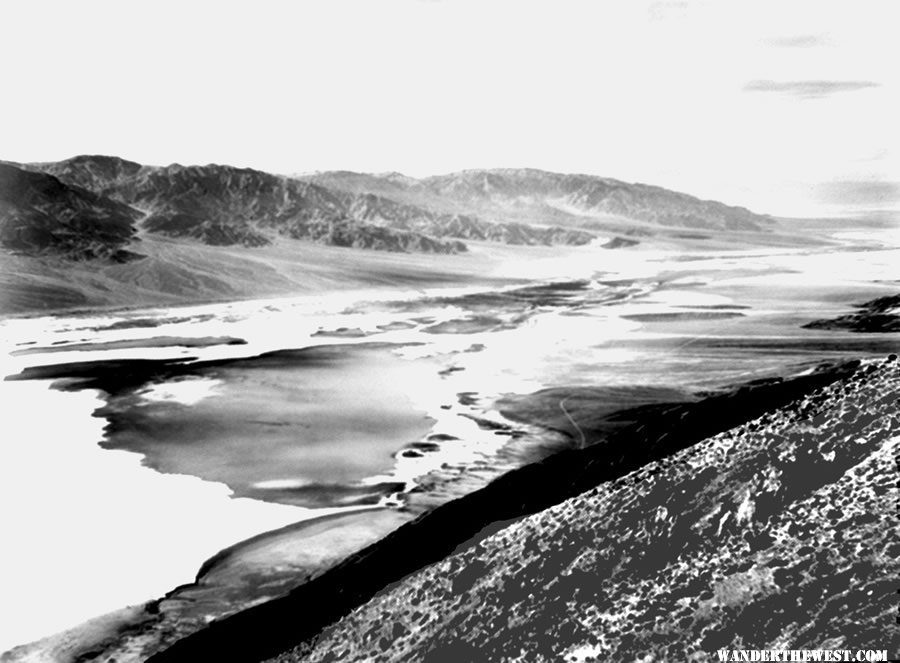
(223, 205)
(98, 173)
(383, 210)
(40, 215)
(94, 209)
(535, 196)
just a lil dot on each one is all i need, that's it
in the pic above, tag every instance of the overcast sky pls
(788, 107)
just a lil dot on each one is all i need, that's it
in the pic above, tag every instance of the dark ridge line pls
(271, 628)
(875, 316)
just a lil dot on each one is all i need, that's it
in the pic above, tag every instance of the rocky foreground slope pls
(781, 533)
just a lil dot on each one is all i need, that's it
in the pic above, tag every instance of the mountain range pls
(103, 231)
(531, 196)
(92, 206)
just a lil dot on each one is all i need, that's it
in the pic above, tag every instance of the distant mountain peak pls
(101, 160)
(400, 178)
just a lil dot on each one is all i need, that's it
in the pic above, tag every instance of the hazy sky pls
(788, 107)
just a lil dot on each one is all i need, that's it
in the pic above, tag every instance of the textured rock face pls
(40, 215)
(778, 534)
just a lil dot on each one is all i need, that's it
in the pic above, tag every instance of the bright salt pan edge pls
(186, 392)
(156, 529)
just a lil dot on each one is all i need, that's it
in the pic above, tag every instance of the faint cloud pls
(808, 89)
(876, 155)
(798, 41)
(869, 193)
(664, 10)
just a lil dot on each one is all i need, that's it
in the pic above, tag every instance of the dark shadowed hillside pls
(40, 215)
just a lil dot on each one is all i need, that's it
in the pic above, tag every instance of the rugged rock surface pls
(780, 533)
(40, 215)
(876, 316)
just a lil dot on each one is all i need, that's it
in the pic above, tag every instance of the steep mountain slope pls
(40, 215)
(535, 196)
(778, 534)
